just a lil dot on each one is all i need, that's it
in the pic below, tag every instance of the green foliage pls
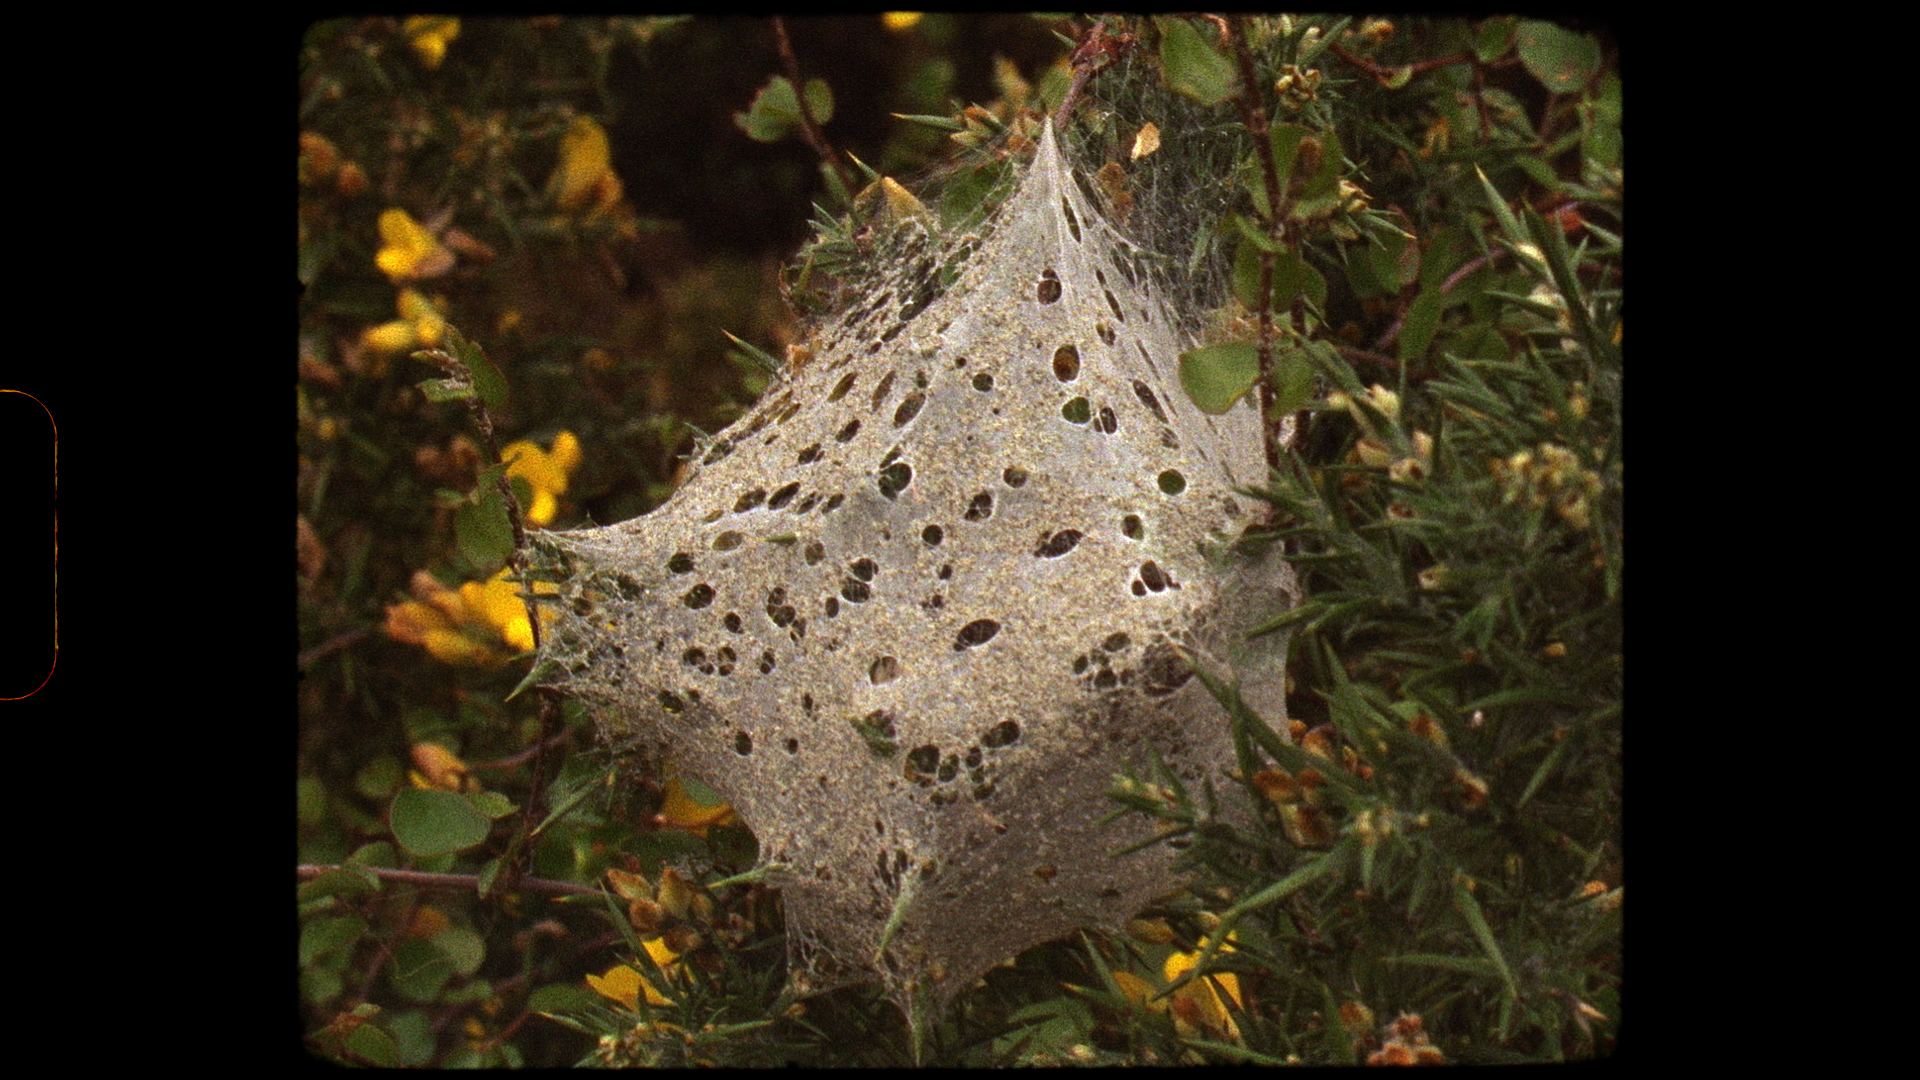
(775, 112)
(1459, 653)
(1194, 66)
(429, 823)
(1415, 246)
(1216, 376)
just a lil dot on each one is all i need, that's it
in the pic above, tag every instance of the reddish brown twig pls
(809, 128)
(1097, 51)
(1254, 113)
(457, 882)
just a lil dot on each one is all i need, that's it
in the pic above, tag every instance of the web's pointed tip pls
(1046, 134)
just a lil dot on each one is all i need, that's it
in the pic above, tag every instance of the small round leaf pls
(436, 822)
(1215, 376)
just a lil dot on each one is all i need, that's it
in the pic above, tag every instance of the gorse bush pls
(1402, 240)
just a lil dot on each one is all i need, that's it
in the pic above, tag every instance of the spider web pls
(915, 612)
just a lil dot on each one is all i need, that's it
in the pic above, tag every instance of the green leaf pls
(1329, 861)
(1562, 60)
(1293, 381)
(701, 793)
(323, 934)
(1289, 277)
(1538, 171)
(482, 530)
(1469, 908)
(1283, 142)
(543, 669)
(819, 100)
(1251, 231)
(492, 803)
(868, 174)
(1215, 376)
(1320, 191)
(420, 971)
(759, 357)
(1313, 287)
(774, 112)
(1292, 278)
(352, 883)
(489, 877)
(487, 380)
(565, 807)
(1502, 213)
(1421, 323)
(372, 1045)
(1493, 38)
(462, 947)
(938, 123)
(1396, 262)
(1193, 66)
(430, 823)
(1462, 965)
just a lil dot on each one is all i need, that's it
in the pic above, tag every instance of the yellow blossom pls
(545, 471)
(497, 604)
(1197, 1007)
(1137, 989)
(438, 768)
(425, 624)
(420, 326)
(482, 624)
(390, 337)
(584, 182)
(430, 35)
(623, 983)
(682, 810)
(408, 250)
(901, 20)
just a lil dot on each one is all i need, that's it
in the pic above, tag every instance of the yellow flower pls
(624, 984)
(1197, 1007)
(440, 769)
(425, 624)
(584, 182)
(682, 810)
(545, 471)
(430, 35)
(621, 983)
(901, 20)
(420, 326)
(496, 605)
(390, 337)
(482, 624)
(408, 250)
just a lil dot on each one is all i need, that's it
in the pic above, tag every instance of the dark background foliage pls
(1442, 837)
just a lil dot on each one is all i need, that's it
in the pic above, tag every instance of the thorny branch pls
(552, 722)
(1096, 52)
(459, 882)
(809, 128)
(1255, 114)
